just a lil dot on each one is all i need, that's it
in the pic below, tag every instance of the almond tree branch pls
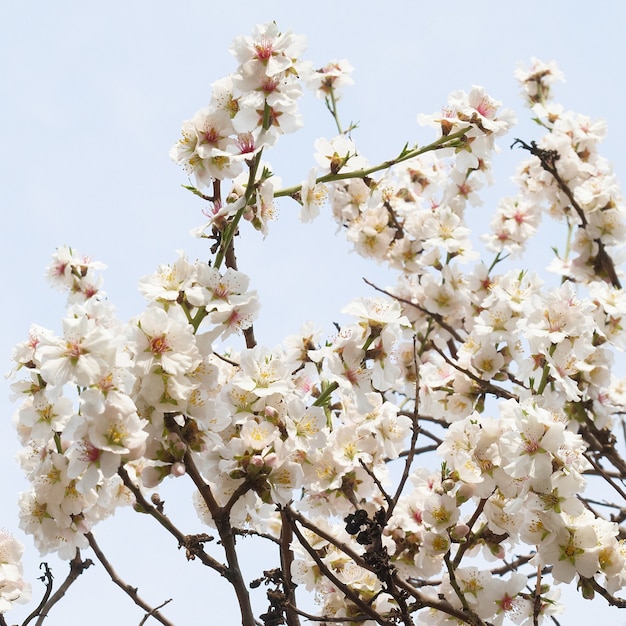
(129, 590)
(77, 567)
(445, 141)
(548, 159)
(190, 542)
(286, 560)
(352, 595)
(612, 600)
(221, 518)
(47, 579)
(415, 429)
(436, 316)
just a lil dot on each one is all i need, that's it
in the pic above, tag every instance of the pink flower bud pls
(465, 492)
(257, 460)
(178, 469)
(459, 531)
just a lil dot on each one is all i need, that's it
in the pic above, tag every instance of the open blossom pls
(82, 355)
(509, 382)
(164, 340)
(267, 51)
(537, 79)
(330, 78)
(338, 154)
(313, 195)
(70, 271)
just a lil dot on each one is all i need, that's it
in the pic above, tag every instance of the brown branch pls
(537, 600)
(231, 261)
(286, 560)
(383, 491)
(608, 479)
(330, 620)
(548, 160)
(194, 548)
(485, 385)
(511, 567)
(352, 595)
(426, 418)
(77, 567)
(221, 518)
(436, 316)
(471, 615)
(147, 616)
(612, 600)
(344, 547)
(47, 579)
(129, 590)
(442, 605)
(468, 544)
(415, 429)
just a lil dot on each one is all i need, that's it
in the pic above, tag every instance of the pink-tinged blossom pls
(330, 78)
(164, 340)
(68, 268)
(532, 445)
(267, 51)
(81, 356)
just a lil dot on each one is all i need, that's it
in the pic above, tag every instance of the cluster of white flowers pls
(13, 588)
(249, 110)
(503, 377)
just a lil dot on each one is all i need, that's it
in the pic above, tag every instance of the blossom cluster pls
(13, 588)
(249, 110)
(508, 380)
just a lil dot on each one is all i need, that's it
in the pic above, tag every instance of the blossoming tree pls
(323, 447)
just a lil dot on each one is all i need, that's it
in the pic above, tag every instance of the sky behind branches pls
(93, 96)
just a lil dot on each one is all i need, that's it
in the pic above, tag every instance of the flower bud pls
(459, 531)
(465, 492)
(178, 469)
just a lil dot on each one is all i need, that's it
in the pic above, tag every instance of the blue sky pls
(93, 96)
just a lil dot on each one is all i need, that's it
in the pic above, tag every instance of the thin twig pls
(350, 594)
(147, 616)
(77, 567)
(612, 600)
(194, 548)
(415, 429)
(47, 579)
(129, 590)
(485, 385)
(436, 316)
(221, 518)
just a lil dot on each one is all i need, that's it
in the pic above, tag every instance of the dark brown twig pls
(77, 567)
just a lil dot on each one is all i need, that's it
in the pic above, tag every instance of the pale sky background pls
(93, 96)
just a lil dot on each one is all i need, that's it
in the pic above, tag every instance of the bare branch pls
(47, 579)
(129, 590)
(194, 548)
(77, 567)
(286, 559)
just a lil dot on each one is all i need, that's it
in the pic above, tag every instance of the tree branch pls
(129, 590)
(77, 567)
(194, 547)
